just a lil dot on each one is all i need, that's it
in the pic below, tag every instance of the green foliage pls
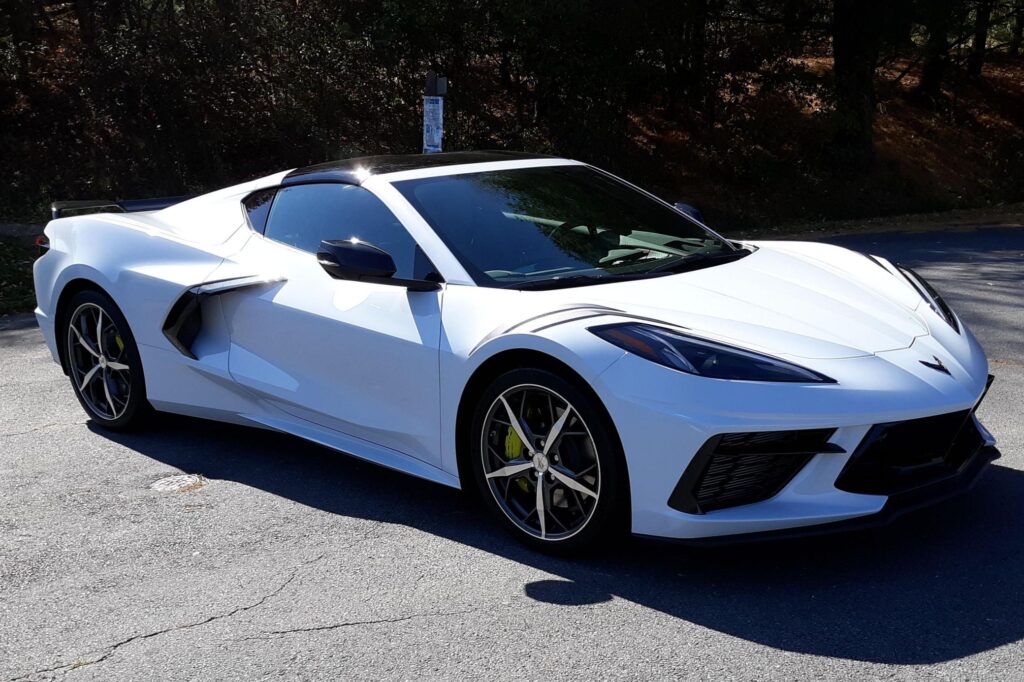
(16, 257)
(135, 98)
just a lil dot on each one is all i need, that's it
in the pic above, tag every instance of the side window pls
(304, 215)
(257, 208)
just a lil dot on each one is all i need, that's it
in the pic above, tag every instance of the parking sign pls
(433, 124)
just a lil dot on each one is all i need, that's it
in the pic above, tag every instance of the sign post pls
(433, 112)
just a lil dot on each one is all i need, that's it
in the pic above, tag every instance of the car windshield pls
(559, 226)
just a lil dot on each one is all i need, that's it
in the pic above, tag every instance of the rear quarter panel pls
(143, 268)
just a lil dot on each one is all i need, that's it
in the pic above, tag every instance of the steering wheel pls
(570, 224)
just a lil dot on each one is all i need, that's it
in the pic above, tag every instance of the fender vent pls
(734, 469)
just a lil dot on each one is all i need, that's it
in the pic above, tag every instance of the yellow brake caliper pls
(513, 450)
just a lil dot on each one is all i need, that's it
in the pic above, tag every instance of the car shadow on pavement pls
(936, 586)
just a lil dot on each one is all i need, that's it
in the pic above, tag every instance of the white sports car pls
(587, 357)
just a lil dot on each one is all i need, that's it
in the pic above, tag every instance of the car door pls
(356, 357)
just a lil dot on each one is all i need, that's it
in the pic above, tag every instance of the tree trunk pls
(1017, 34)
(982, 17)
(22, 19)
(698, 54)
(113, 14)
(936, 50)
(903, 31)
(228, 10)
(86, 21)
(855, 49)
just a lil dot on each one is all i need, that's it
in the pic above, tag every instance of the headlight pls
(702, 357)
(931, 297)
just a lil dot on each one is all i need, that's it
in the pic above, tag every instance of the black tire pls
(124, 391)
(608, 519)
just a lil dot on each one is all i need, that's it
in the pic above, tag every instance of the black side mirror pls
(691, 211)
(363, 262)
(351, 259)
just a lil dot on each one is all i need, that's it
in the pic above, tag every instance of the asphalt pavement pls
(289, 561)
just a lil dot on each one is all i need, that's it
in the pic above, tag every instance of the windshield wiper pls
(571, 281)
(695, 261)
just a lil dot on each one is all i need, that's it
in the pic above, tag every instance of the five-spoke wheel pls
(102, 360)
(544, 457)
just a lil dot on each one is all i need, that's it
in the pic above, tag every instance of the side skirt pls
(356, 447)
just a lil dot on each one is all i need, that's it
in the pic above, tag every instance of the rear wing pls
(61, 209)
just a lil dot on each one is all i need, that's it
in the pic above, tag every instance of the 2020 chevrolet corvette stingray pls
(588, 357)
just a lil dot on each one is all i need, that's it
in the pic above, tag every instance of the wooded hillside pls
(759, 112)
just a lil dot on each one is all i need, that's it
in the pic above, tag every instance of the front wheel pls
(547, 463)
(103, 362)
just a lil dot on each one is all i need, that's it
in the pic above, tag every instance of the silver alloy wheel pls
(540, 462)
(97, 359)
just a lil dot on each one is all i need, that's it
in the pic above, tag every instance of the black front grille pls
(742, 468)
(900, 456)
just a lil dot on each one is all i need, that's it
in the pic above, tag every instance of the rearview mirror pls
(691, 211)
(364, 262)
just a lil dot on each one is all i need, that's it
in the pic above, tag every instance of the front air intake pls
(897, 457)
(733, 469)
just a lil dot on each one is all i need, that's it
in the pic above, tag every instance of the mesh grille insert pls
(742, 468)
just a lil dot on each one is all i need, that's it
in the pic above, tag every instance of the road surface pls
(293, 562)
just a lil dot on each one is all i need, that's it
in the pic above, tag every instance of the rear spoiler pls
(60, 209)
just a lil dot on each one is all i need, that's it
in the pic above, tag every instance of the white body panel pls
(379, 372)
(354, 357)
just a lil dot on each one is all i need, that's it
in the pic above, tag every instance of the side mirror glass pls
(360, 261)
(691, 211)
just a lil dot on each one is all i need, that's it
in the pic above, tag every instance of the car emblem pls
(937, 365)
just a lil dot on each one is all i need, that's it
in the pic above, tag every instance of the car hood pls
(787, 298)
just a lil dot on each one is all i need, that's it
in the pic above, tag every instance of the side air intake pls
(185, 319)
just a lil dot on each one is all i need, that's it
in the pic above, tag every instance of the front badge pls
(937, 365)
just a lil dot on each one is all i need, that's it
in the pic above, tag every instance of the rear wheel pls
(103, 362)
(546, 463)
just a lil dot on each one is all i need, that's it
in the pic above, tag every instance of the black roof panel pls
(352, 171)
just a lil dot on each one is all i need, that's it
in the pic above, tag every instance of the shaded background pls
(760, 112)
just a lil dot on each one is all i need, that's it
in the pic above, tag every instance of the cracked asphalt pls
(294, 562)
